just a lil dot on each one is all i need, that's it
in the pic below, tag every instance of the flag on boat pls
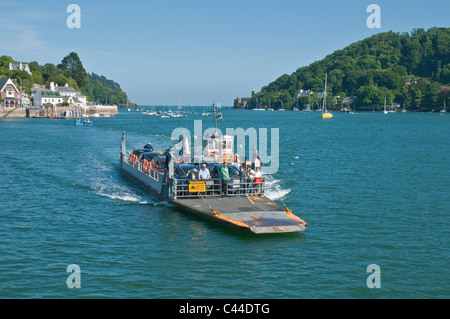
(218, 116)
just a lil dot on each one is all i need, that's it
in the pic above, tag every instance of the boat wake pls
(125, 197)
(103, 180)
(273, 189)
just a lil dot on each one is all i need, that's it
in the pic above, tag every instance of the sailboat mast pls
(215, 118)
(324, 106)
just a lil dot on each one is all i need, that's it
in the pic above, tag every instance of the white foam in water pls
(273, 195)
(274, 191)
(124, 197)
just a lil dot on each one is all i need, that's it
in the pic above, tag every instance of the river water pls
(373, 188)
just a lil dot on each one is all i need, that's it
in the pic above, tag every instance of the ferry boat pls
(168, 176)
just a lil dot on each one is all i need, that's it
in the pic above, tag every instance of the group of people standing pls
(250, 180)
(202, 174)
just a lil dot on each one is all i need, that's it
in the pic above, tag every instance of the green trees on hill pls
(71, 67)
(104, 90)
(70, 70)
(412, 70)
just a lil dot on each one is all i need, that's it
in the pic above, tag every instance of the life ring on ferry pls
(133, 159)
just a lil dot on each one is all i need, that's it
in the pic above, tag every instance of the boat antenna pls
(215, 118)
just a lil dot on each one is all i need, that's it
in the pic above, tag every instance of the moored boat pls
(83, 122)
(325, 113)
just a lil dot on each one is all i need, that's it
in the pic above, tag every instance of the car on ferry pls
(139, 151)
(149, 156)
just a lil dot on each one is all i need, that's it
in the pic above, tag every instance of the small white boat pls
(385, 112)
(444, 110)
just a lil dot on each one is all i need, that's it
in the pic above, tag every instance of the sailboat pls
(308, 107)
(269, 109)
(385, 112)
(325, 113)
(444, 110)
(258, 107)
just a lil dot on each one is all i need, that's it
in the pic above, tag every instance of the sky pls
(178, 52)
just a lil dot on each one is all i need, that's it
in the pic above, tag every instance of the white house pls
(66, 90)
(58, 94)
(20, 67)
(42, 98)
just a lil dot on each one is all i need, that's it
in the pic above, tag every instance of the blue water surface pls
(373, 188)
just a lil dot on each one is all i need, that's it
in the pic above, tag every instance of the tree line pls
(410, 69)
(97, 88)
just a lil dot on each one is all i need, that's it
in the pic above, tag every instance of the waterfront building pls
(9, 94)
(55, 95)
(243, 102)
(45, 98)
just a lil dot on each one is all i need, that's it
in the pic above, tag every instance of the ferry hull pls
(151, 185)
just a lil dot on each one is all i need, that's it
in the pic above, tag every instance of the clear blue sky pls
(180, 52)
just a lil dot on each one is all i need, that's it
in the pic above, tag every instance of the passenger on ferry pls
(250, 178)
(149, 147)
(193, 174)
(258, 181)
(225, 175)
(242, 179)
(236, 162)
(204, 172)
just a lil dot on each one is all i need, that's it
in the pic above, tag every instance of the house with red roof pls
(9, 94)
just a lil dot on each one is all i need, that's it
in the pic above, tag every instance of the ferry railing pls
(152, 172)
(242, 188)
(184, 188)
